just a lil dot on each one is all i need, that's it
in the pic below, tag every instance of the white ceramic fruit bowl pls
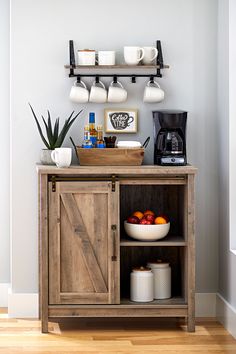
(146, 232)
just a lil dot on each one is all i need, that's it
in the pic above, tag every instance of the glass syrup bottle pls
(87, 144)
(92, 130)
(100, 141)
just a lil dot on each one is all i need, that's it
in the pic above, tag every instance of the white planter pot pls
(45, 157)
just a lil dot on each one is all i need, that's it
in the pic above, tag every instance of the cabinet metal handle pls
(114, 257)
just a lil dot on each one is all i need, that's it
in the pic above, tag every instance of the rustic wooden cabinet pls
(85, 257)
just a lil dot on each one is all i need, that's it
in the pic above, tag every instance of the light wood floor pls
(120, 336)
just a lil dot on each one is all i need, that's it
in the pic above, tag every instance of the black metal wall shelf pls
(75, 68)
(122, 66)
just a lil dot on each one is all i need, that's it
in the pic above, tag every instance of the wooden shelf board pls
(174, 301)
(120, 171)
(167, 241)
(122, 66)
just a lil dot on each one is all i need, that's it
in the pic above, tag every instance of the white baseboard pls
(23, 305)
(226, 314)
(4, 287)
(26, 305)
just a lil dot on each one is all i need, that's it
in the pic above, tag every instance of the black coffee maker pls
(170, 137)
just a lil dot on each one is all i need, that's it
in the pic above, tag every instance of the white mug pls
(79, 92)
(150, 53)
(86, 57)
(116, 94)
(62, 157)
(153, 93)
(133, 55)
(98, 94)
(106, 57)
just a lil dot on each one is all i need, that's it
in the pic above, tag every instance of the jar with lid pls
(141, 285)
(162, 279)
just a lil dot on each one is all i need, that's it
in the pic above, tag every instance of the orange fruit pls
(160, 220)
(149, 212)
(139, 214)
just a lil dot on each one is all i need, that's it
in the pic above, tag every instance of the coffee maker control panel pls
(172, 161)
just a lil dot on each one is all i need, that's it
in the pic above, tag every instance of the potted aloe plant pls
(54, 137)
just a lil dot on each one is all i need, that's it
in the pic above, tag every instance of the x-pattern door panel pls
(81, 244)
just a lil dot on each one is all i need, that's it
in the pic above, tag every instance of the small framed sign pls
(121, 120)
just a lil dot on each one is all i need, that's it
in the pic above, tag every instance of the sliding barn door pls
(83, 243)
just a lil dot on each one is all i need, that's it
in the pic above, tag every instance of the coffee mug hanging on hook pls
(153, 92)
(79, 92)
(98, 92)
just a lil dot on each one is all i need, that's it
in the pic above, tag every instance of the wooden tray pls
(110, 157)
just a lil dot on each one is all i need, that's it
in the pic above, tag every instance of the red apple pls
(149, 222)
(133, 220)
(143, 221)
(150, 218)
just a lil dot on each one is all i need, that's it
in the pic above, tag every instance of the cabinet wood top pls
(117, 170)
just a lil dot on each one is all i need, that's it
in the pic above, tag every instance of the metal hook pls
(78, 79)
(152, 79)
(115, 79)
(97, 79)
(133, 79)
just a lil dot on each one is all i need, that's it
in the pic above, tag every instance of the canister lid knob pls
(142, 269)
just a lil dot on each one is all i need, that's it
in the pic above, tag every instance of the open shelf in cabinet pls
(167, 200)
(166, 241)
(172, 302)
(163, 199)
(137, 256)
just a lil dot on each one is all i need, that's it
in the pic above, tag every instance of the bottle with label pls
(100, 141)
(87, 144)
(92, 130)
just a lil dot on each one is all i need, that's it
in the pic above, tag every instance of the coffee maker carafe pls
(170, 137)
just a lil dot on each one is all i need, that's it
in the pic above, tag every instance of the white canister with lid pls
(141, 285)
(86, 57)
(162, 279)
